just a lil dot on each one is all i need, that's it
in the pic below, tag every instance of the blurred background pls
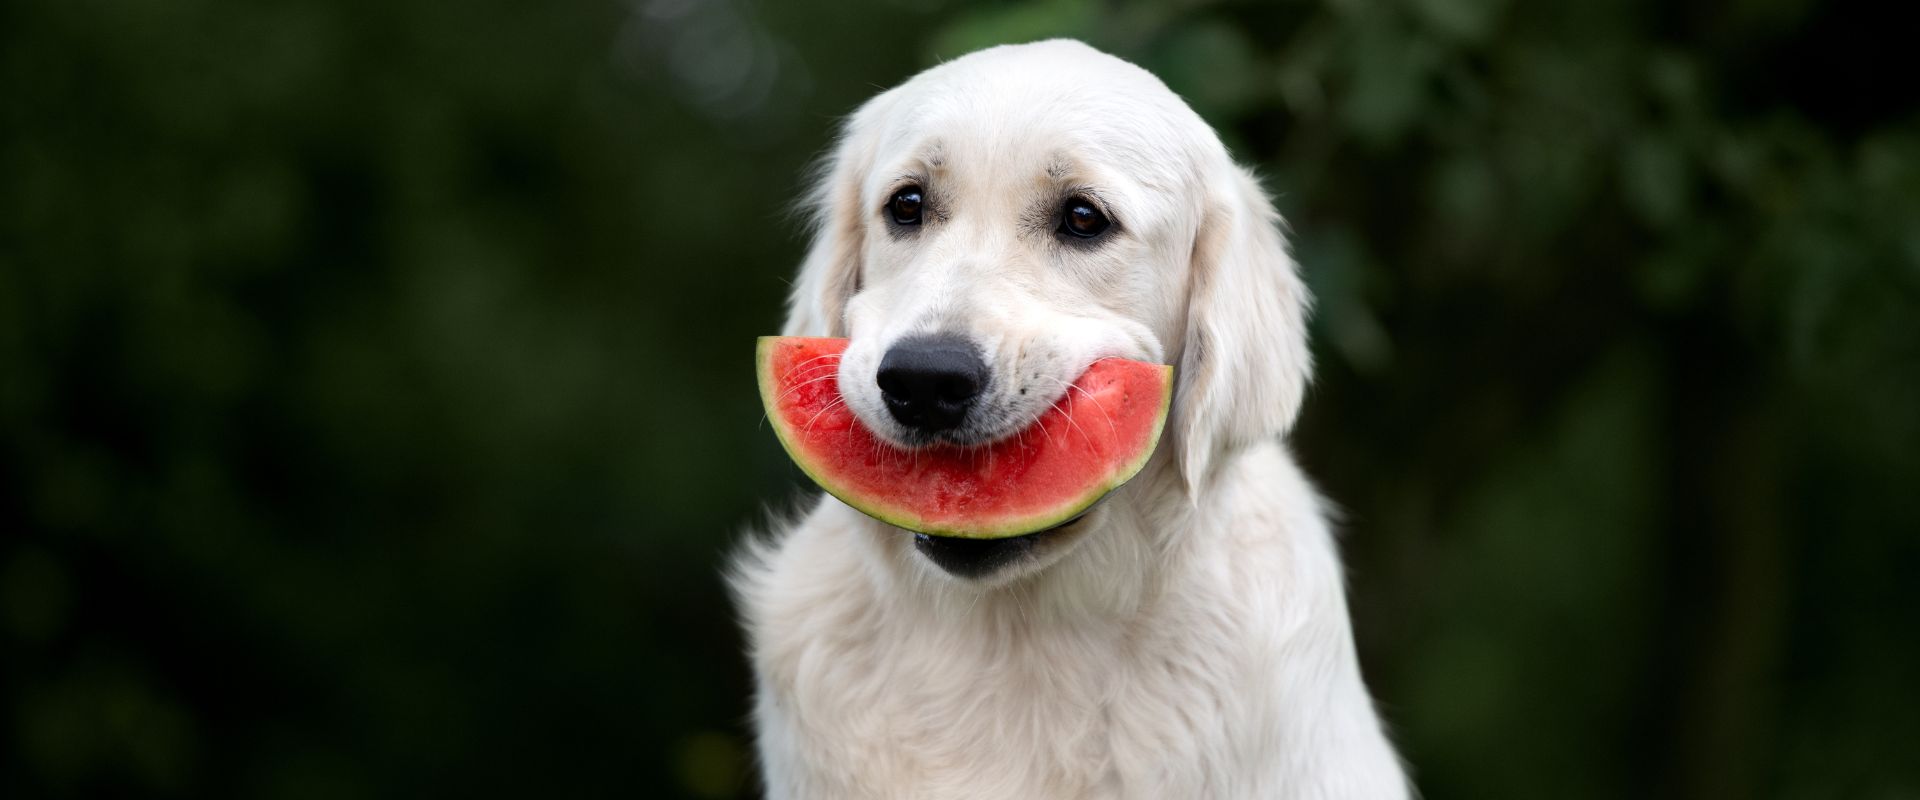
(376, 408)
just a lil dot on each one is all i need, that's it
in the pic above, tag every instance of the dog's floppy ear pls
(830, 273)
(1244, 362)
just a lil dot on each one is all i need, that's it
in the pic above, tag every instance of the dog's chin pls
(997, 561)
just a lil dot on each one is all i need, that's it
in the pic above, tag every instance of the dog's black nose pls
(929, 382)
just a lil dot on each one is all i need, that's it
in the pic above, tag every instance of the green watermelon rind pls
(902, 518)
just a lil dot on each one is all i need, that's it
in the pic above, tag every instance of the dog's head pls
(987, 230)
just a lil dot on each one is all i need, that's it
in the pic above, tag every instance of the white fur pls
(1189, 638)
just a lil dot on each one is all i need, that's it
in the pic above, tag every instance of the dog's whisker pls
(803, 365)
(814, 371)
(803, 384)
(837, 402)
(798, 386)
(816, 378)
(1083, 431)
(1111, 428)
(1067, 398)
(783, 395)
(830, 360)
(808, 372)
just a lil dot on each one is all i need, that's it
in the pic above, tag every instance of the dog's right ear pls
(830, 273)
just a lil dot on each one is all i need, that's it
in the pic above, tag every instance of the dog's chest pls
(1020, 711)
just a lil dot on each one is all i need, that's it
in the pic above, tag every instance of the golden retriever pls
(986, 231)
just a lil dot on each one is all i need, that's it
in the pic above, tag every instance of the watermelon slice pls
(1092, 440)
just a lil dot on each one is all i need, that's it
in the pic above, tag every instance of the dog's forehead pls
(1056, 109)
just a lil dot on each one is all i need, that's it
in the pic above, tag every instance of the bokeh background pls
(376, 409)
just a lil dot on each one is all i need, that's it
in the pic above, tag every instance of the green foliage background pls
(375, 408)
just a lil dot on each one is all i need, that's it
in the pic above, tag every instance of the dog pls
(985, 232)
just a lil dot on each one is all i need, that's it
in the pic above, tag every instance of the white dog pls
(985, 232)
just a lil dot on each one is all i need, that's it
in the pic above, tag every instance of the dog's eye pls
(1080, 218)
(905, 206)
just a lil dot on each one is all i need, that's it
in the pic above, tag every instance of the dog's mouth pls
(987, 422)
(910, 439)
(978, 558)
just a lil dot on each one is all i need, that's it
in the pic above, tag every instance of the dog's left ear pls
(1244, 363)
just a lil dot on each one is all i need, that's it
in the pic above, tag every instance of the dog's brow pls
(1059, 168)
(936, 154)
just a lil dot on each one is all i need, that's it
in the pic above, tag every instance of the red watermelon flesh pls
(1093, 439)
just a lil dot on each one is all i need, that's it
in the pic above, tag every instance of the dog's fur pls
(1189, 637)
